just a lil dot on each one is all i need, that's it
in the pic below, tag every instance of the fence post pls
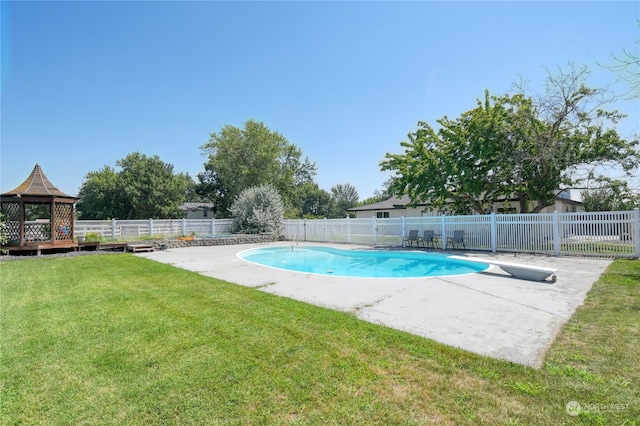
(374, 230)
(404, 234)
(213, 227)
(636, 230)
(443, 231)
(556, 233)
(326, 238)
(150, 226)
(348, 231)
(184, 226)
(113, 229)
(494, 234)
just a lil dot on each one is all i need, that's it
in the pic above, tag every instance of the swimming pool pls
(360, 263)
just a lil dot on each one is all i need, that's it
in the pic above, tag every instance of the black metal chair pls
(428, 238)
(414, 238)
(457, 239)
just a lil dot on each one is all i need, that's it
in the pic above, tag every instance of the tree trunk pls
(522, 199)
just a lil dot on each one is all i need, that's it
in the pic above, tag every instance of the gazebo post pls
(22, 219)
(53, 227)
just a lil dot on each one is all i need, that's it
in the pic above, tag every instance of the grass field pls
(117, 339)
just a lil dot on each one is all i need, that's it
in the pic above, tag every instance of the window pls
(382, 215)
(206, 212)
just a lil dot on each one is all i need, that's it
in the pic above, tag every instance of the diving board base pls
(517, 270)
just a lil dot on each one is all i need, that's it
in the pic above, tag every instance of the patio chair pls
(428, 238)
(457, 239)
(413, 238)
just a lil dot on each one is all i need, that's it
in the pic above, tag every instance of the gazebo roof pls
(37, 184)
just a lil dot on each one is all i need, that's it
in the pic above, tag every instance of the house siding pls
(562, 205)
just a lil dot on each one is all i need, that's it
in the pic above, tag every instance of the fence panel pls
(198, 227)
(608, 234)
(604, 234)
(166, 227)
(133, 228)
(477, 230)
(100, 227)
(336, 230)
(598, 233)
(123, 229)
(387, 231)
(294, 229)
(315, 230)
(223, 226)
(530, 233)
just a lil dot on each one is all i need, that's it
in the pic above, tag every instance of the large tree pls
(254, 155)
(513, 146)
(151, 188)
(311, 202)
(627, 65)
(145, 187)
(344, 197)
(610, 195)
(100, 195)
(379, 194)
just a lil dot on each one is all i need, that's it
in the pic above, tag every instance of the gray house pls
(397, 207)
(199, 210)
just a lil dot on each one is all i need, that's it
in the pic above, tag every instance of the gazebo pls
(38, 216)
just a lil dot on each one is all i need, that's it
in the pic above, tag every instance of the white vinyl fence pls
(603, 234)
(120, 229)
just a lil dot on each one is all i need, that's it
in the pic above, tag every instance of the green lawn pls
(117, 339)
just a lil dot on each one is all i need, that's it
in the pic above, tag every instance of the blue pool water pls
(360, 263)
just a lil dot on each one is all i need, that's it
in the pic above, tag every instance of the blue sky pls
(85, 83)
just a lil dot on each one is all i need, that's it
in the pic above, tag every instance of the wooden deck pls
(138, 247)
(88, 246)
(113, 246)
(39, 249)
(47, 248)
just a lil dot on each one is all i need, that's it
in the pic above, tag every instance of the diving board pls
(517, 270)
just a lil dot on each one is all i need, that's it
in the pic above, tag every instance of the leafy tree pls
(379, 194)
(311, 202)
(461, 166)
(258, 209)
(100, 196)
(145, 187)
(150, 188)
(627, 65)
(512, 146)
(344, 197)
(612, 195)
(242, 158)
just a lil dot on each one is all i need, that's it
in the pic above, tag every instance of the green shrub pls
(152, 237)
(92, 236)
(258, 209)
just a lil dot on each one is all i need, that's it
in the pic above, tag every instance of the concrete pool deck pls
(489, 313)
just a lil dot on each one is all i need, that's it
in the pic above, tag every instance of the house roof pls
(389, 204)
(196, 206)
(37, 184)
